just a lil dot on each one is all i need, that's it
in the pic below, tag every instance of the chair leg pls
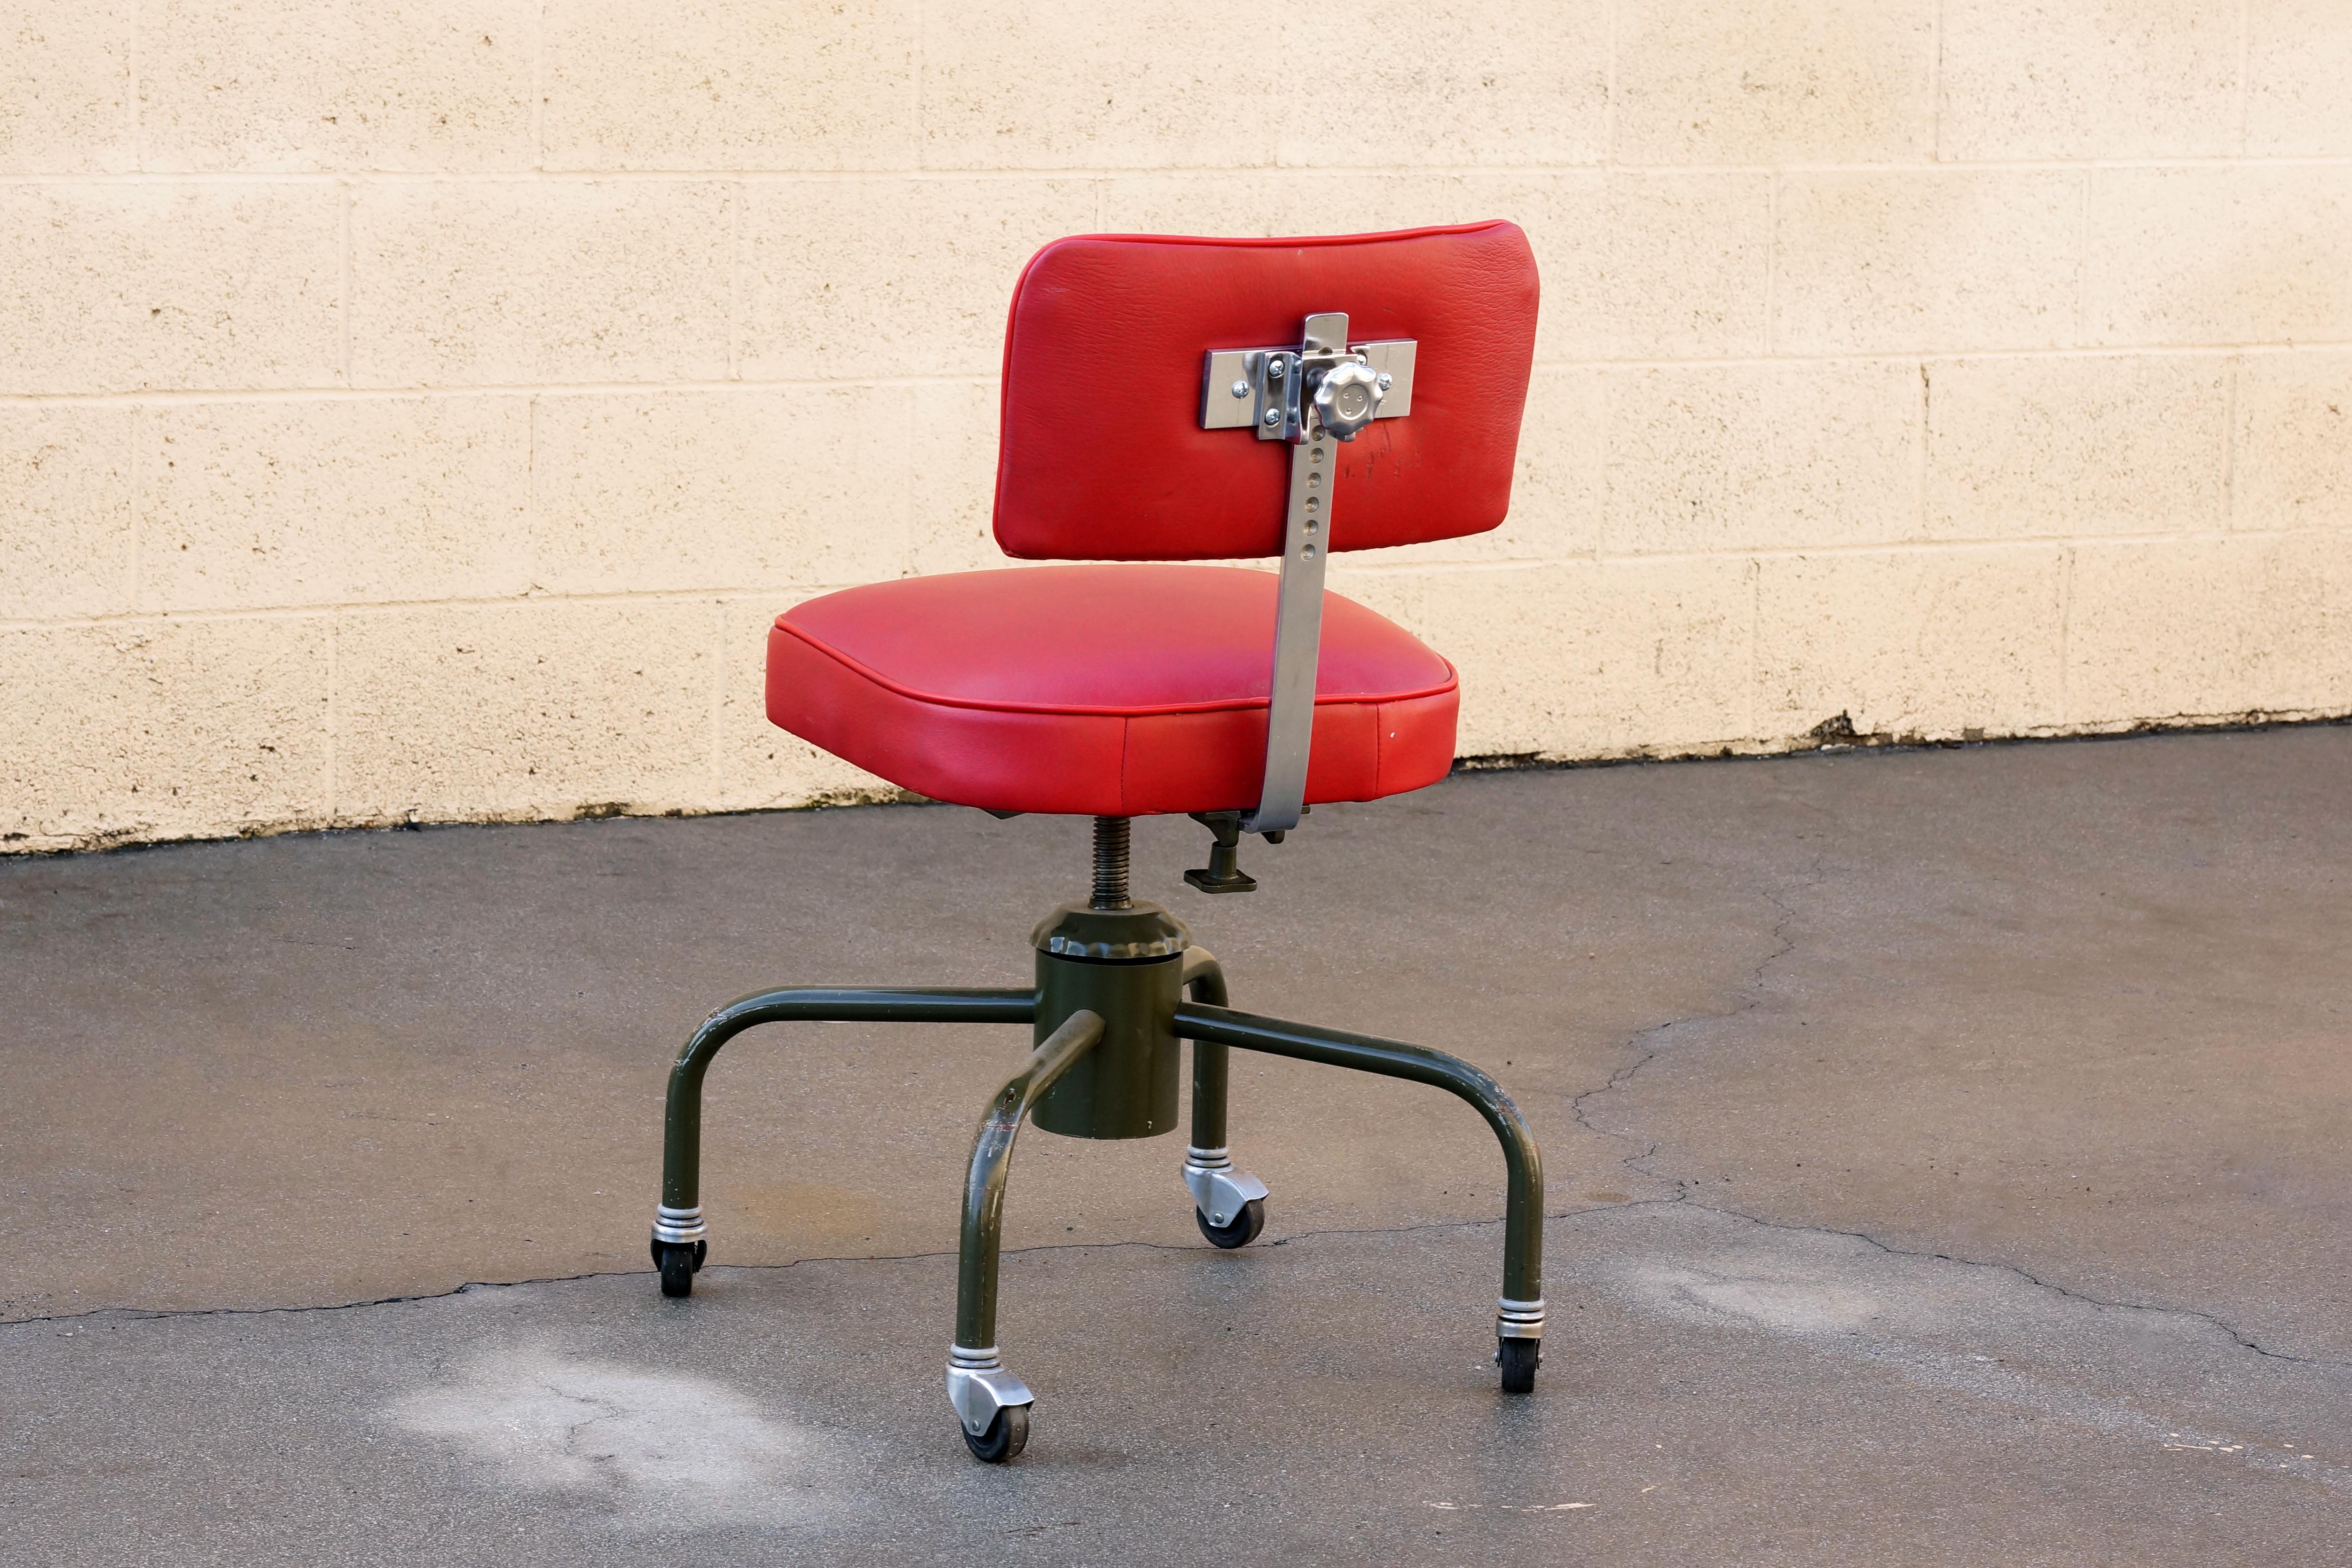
(1228, 1202)
(681, 1240)
(991, 1403)
(1519, 1317)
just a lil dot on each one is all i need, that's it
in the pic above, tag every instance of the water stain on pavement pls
(658, 1450)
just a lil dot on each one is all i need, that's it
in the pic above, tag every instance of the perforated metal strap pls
(1297, 636)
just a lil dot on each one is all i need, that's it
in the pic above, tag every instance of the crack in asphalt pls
(140, 1314)
(604, 1411)
(2027, 1274)
(151, 1314)
(1751, 997)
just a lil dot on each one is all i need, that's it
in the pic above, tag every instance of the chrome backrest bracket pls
(1314, 396)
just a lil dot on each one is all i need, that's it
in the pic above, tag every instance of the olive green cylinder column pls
(1126, 965)
(1124, 1087)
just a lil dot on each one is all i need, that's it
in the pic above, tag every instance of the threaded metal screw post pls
(1110, 863)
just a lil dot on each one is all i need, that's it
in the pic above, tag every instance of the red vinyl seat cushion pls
(1106, 690)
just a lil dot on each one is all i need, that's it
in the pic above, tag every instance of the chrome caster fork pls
(1228, 1202)
(991, 1403)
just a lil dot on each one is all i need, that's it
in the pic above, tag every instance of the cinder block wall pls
(418, 410)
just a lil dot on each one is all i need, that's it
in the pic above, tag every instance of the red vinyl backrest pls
(1103, 456)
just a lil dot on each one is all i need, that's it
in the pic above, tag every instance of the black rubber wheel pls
(1005, 1437)
(1241, 1233)
(678, 1263)
(701, 1251)
(1518, 1360)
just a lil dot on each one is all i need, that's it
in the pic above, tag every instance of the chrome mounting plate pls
(1224, 408)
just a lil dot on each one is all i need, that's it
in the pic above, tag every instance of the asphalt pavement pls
(1945, 1153)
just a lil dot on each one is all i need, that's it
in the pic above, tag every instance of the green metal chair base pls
(1107, 1015)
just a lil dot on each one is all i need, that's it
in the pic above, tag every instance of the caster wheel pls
(1241, 1233)
(1005, 1437)
(1518, 1360)
(678, 1263)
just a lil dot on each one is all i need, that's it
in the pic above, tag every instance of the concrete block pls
(1556, 487)
(253, 84)
(2091, 78)
(1775, 81)
(2025, 447)
(1654, 266)
(525, 711)
(2298, 79)
(1253, 203)
(1224, 85)
(730, 84)
(1771, 456)
(2246, 254)
(161, 729)
(758, 764)
(2155, 632)
(845, 278)
(1875, 262)
(2292, 464)
(118, 287)
(1925, 260)
(2304, 616)
(952, 509)
(725, 490)
(1595, 658)
(1926, 642)
(1633, 265)
(338, 500)
(1371, 578)
(66, 544)
(499, 282)
(2206, 629)
(65, 86)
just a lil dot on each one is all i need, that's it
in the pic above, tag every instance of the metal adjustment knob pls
(1347, 399)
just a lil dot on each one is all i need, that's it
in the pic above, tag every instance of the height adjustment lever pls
(1224, 873)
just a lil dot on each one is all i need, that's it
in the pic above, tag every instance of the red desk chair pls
(1163, 403)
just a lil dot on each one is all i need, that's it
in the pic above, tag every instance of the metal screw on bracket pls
(1241, 389)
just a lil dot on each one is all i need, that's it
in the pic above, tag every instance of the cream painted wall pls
(416, 409)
